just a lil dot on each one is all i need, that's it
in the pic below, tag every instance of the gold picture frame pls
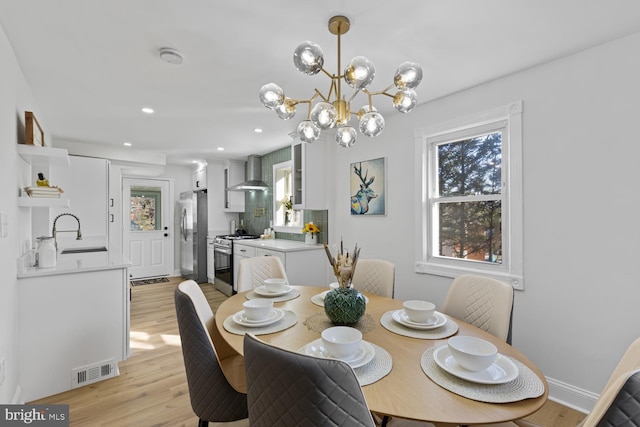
(33, 131)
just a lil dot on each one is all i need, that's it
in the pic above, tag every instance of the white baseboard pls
(570, 396)
(17, 397)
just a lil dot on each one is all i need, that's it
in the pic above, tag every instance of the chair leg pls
(202, 423)
(385, 420)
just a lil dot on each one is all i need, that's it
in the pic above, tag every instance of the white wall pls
(579, 310)
(15, 98)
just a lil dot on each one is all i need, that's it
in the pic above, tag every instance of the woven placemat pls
(526, 386)
(443, 331)
(294, 293)
(375, 370)
(378, 368)
(318, 322)
(286, 322)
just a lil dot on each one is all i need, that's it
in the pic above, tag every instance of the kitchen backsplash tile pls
(259, 204)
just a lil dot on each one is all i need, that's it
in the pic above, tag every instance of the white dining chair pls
(376, 276)
(484, 302)
(253, 271)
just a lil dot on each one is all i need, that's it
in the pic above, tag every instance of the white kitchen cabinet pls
(309, 175)
(233, 175)
(304, 264)
(73, 324)
(199, 178)
(86, 184)
(269, 252)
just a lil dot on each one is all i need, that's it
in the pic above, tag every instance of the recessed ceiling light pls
(147, 110)
(258, 130)
(220, 148)
(127, 144)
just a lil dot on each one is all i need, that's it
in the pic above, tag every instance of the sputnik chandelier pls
(334, 110)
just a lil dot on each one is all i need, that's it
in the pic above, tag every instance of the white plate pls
(501, 371)
(275, 315)
(262, 291)
(437, 320)
(364, 355)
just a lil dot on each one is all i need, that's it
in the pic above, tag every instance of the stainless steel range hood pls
(253, 175)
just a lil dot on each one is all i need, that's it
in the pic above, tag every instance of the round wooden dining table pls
(406, 392)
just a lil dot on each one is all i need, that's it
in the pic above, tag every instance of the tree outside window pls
(469, 169)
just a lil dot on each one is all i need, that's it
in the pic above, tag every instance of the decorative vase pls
(344, 306)
(310, 239)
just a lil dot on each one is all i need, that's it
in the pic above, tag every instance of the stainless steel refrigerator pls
(193, 235)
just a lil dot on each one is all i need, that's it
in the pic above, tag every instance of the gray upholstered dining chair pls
(376, 276)
(253, 271)
(484, 302)
(288, 389)
(212, 397)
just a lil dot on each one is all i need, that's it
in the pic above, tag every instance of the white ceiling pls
(92, 65)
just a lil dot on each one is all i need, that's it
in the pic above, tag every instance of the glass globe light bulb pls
(359, 73)
(408, 76)
(271, 95)
(366, 109)
(308, 58)
(286, 110)
(372, 124)
(346, 136)
(324, 115)
(405, 100)
(307, 131)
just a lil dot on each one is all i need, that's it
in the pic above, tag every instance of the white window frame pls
(294, 229)
(426, 139)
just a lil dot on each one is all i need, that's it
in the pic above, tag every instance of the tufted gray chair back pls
(212, 397)
(288, 389)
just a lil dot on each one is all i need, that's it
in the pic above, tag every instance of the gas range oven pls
(223, 261)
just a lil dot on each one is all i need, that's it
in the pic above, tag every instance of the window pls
(471, 196)
(145, 209)
(285, 219)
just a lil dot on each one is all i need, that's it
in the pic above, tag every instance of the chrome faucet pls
(54, 231)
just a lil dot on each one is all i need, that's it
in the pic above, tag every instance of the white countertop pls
(281, 245)
(77, 263)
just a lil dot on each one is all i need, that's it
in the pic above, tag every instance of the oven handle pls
(222, 250)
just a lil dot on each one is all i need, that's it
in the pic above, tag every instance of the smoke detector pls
(172, 56)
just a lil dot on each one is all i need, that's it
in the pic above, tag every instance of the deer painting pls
(360, 201)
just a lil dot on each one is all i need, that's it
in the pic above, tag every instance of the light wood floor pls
(152, 387)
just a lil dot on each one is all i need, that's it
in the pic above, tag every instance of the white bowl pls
(275, 285)
(419, 311)
(473, 354)
(257, 309)
(334, 285)
(341, 341)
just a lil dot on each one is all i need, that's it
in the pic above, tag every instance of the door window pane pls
(145, 209)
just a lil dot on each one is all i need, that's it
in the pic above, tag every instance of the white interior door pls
(148, 227)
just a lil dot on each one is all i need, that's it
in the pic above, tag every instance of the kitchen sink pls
(83, 250)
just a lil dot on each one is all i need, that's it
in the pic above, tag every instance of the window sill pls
(288, 229)
(453, 271)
